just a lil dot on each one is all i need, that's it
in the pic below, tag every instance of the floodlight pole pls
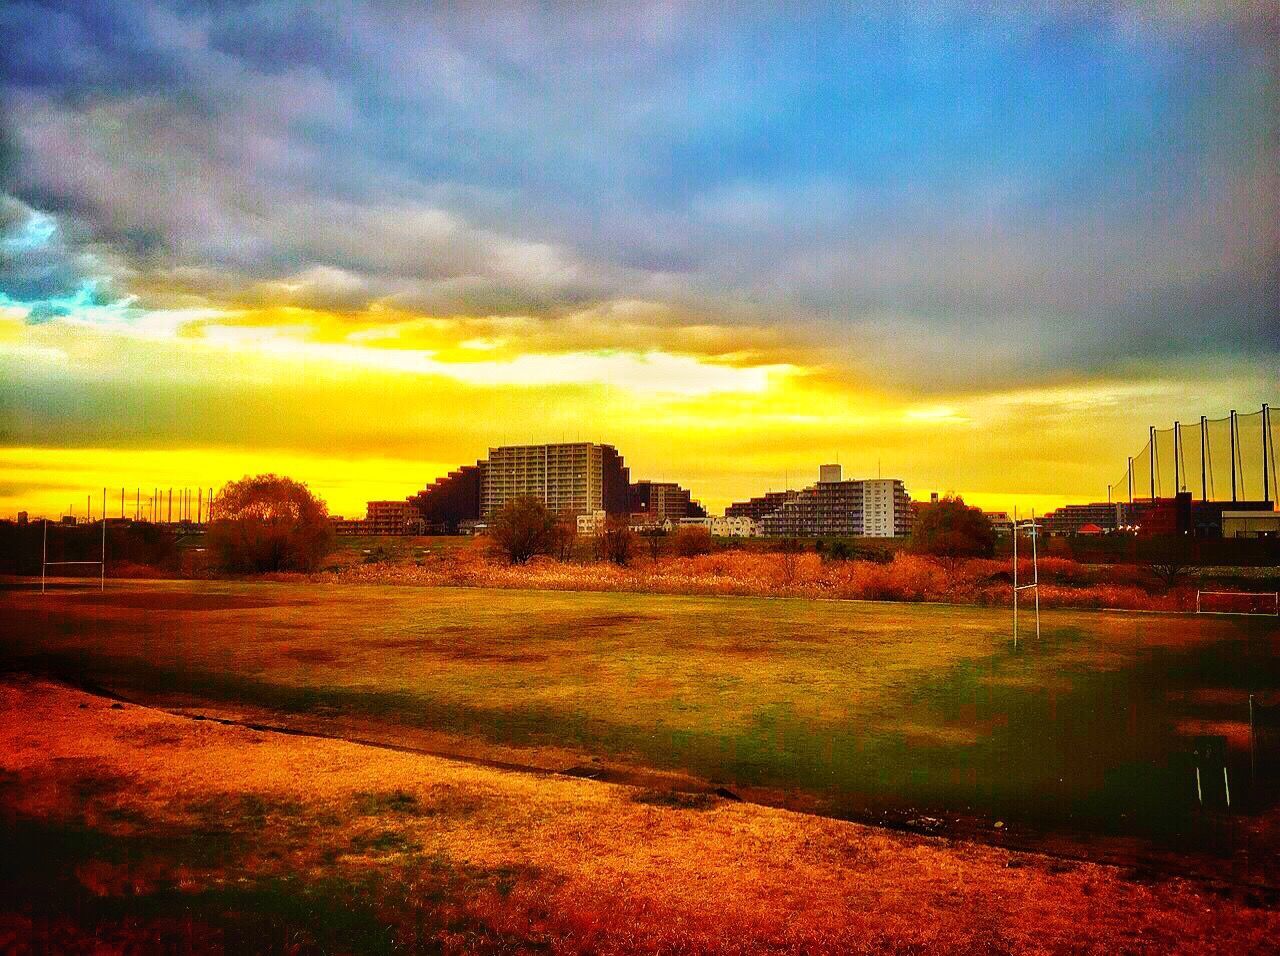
(102, 578)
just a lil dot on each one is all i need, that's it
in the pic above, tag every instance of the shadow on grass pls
(52, 880)
(1101, 752)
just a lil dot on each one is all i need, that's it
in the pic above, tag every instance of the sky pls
(977, 247)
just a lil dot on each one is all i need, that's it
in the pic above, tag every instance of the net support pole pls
(44, 554)
(1233, 455)
(102, 577)
(1130, 479)
(1151, 457)
(1177, 454)
(1204, 468)
(1266, 471)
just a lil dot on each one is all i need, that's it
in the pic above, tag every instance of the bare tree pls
(269, 523)
(654, 537)
(522, 528)
(1170, 559)
(617, 541)
(564, 540)
(790, 549)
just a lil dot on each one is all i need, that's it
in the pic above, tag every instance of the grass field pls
(850, 709)
(127, 829)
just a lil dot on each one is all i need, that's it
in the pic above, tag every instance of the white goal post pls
(1033, 531)
(1256, 603)
(101, 564)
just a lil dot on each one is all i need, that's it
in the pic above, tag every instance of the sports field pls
(861, 710)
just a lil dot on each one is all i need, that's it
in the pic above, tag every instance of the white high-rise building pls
(880, 508)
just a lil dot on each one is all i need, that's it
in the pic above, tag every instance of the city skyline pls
(978, 251)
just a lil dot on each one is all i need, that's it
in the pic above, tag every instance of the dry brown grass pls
(572, 865)
(907, 577)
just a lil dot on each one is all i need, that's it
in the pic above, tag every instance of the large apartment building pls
(873, 507)
(451, 500)
(1070, 519)
(579, 478)
(653, 502)
(570, 479)
(757, 508)
(384, 518)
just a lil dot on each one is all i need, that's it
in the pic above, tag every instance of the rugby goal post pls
(46, 564)
(1034, 587)
(1251, 603)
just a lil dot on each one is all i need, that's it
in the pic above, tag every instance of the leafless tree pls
(269, 523)
(522, 528)
(617, 541)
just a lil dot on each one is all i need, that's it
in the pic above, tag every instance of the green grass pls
(855, 707)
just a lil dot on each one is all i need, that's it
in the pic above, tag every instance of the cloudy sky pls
(980, 247)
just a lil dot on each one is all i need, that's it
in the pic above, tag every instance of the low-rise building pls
(1182, 514)
(735, 526)
(1251, 524)
(1001, 523)
(592, 524)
